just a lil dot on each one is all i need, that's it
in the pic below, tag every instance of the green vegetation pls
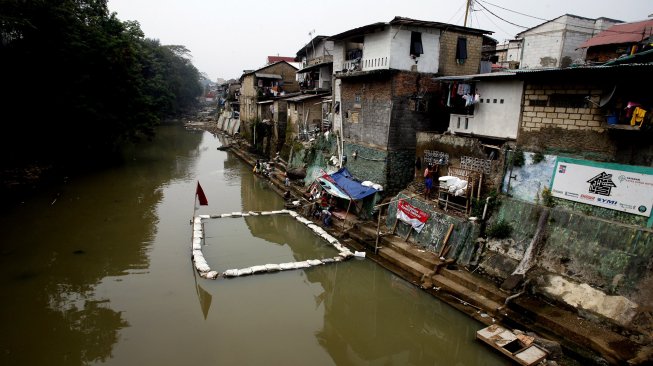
(547, 198)
(78, 83)
(518, 158)
(538, 157)
(499, 230)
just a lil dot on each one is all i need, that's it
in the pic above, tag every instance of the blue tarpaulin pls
(345, 183)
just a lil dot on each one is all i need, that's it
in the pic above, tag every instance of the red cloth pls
(199, 192)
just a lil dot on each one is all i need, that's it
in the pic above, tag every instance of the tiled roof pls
(622, 33)
(273, 59)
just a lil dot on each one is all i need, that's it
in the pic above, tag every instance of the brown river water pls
(98, 271)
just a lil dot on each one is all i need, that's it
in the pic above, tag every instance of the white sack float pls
(359, 254)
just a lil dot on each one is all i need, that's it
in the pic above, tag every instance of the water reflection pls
(55, 251)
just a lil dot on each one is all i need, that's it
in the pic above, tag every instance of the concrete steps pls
(414, 268)
(465, 294)
(480, 293)
(477, 284)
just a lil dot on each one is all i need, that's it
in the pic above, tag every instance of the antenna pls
(310, 35)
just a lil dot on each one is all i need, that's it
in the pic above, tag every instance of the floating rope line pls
(205, 271)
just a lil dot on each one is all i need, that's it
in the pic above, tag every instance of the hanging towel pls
(638, 116)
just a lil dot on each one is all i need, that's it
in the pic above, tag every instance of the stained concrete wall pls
(462, 238)
(613, 258)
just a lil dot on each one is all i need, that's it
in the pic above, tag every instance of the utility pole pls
(469, 5)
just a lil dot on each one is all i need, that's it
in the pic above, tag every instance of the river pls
(97, 271)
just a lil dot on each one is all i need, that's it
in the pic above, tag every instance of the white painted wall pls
(376, 50)
(400, 49)
(493, 119)
(338, 56)
(559, 38)
(337, 98)
(390, 48)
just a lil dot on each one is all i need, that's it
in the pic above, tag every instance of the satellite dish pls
(605, 99)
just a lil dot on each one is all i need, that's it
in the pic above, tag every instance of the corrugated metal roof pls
(303, 97)
(267, 76)
(527, 73)
(313, 67)
(621, 33)
(405, 21)
(502, 74)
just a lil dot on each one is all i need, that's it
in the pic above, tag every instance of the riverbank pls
(559, 328)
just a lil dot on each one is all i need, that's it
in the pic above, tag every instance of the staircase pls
(440, 277)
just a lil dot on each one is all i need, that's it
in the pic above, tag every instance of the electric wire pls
(507, 21)
(548, 20)
(456, 13)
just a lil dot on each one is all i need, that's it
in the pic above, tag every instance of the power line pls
(454, 14)
(507, 21)
(549, 20)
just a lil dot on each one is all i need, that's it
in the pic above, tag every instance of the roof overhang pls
(314, 67)
(261, 75)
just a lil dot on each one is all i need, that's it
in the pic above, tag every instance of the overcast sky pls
(226, 37)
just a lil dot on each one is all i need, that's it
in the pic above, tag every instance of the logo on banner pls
(601, 184)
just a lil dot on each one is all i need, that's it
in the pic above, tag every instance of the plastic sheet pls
(231, 273)
(258, 269)
(245, 271)
(287, 266)
(303, 264)
(211, 275)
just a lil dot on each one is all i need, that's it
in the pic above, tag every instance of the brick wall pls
(365, 108)
(535, 117)
(406, 120)
(448, 64)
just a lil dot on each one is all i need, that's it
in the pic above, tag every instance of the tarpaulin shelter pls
(343, 185)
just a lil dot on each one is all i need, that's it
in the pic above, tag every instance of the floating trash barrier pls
(205, 271)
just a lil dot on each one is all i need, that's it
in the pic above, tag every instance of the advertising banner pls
(619, 187)
(411, 215)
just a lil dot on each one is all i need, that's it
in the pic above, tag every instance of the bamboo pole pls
(446, 240)
(409, 231)
(378, 233)
(346, 214)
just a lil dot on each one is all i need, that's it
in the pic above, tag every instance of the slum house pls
(261, 85)
(305, 116)
(584, 147)
(555, 43)
(316, 60)
(508, 54)
(384, 91)
(618, 41)
(581, 157)
(484, 112)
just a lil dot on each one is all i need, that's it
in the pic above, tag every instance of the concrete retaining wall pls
(612, 258)
(462, 239)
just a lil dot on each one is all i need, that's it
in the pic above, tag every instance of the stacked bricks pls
(448, 64)
(535, 118)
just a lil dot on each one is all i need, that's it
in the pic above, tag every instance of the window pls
(461, 50)
(418, 104)
(416, 48)
(567, 101)
(538, 102)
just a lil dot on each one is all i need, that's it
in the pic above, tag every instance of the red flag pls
(199, 192)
